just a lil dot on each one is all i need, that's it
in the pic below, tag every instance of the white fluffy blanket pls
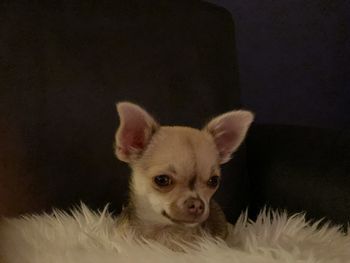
(91, 237)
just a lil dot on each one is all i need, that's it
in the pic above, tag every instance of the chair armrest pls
(300, 169)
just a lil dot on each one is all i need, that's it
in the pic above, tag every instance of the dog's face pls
(176, 170)
(178, 173)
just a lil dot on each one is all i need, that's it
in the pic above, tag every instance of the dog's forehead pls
(186, 150)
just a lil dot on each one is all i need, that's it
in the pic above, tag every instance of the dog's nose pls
(194, 206)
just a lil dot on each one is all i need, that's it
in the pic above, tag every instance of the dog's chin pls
(183, 222)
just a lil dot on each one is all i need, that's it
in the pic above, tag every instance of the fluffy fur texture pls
(92, 237)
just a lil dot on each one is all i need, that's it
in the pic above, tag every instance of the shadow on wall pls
(294, 59)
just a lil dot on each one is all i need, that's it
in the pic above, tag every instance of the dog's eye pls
(213, 181)
(162, 180)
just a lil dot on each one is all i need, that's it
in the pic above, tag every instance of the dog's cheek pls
(181, 197)
(206, 196)
(140, 184)
(176, 210)
(206, 209)
(158, 202)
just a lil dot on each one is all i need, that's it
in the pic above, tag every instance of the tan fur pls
(190, 157)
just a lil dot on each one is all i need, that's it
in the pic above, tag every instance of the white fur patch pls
(90, 237)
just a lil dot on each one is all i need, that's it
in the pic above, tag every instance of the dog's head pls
(176, 170)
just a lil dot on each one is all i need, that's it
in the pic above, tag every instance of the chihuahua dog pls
(175, 172)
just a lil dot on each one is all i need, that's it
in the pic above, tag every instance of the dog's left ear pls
(228, 131)
(135, 131)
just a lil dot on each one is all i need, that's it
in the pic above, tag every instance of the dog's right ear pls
(228, 131)
(135, 131)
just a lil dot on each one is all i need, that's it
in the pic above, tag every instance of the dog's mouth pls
(193, 222)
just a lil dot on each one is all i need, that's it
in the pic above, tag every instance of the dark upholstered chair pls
(63, 65)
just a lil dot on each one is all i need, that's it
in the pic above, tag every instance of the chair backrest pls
(63, 67)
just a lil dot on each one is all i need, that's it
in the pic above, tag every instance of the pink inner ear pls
(225, 137)
(135, 130)
(228, 131)
(132, 135)
(132, 139)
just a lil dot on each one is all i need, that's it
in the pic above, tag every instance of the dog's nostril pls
(194, 206)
